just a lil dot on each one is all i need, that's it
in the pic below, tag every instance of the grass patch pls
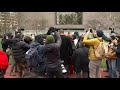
(103, 65)
(0, 44)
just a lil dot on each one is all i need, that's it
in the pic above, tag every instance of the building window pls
(69, 18)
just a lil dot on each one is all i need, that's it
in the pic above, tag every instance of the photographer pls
(95, 64)
(53, 62)
(111, 57)
(117, 50)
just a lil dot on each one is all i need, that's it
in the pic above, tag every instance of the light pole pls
(10, 27)
(37, 28)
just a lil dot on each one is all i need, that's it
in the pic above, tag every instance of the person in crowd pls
(80, 57)
(9, 42)
(117, 50)
(4, 44)
(28, 40)
(106, 40)
(39, 70)
(94, 64)
(3, 64)
(65, 50)
(19, 48)
(111, 57)
(53, 61)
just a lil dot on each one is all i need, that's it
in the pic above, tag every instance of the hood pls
(50, 39)
(34, 44)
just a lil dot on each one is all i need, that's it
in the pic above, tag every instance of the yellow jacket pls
(93, 43)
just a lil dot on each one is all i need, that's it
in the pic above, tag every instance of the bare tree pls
(39, 24)
(105, 20)
(20, 18)
(43, 23)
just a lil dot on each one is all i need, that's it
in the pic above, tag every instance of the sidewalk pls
(70, 76)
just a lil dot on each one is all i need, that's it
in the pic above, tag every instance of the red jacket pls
(3, 60)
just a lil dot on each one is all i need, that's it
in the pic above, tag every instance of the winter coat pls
(4, 44)
(93, 43)
(65, 49)
(19, 48)
(53, 53)
(40, 70)
(117, 50)
(80, 56)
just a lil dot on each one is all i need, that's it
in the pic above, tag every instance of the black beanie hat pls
(99, 33)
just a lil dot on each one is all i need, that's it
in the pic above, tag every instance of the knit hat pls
(50, 39)
(99, 33)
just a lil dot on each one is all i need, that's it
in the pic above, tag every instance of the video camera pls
(18, 31)
(51, 31)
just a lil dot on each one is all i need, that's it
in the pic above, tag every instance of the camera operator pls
(53, 62)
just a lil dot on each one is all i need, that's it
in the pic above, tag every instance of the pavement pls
(70, 76)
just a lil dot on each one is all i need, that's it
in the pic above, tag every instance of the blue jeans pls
(112, 68)
(118, 65)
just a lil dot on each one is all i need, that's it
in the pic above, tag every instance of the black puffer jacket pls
(66, 49)
(19, 49)
(53, 53)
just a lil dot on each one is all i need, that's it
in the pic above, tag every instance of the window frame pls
(68, 24)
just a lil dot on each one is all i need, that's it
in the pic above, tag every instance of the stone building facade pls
(49, 19)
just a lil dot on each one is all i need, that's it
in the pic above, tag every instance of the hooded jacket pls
(53, 53)
(41, 51)
(80, 56)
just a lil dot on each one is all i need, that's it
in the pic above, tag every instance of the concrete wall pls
(51, 19)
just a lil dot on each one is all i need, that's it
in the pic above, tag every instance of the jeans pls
(118, 66)
(112, 68)
(95, 69)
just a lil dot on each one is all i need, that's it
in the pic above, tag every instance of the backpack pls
(32, 57)
(3, 60)
(111, 55)
(101, 51)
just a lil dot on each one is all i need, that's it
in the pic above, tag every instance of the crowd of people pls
(56, 55)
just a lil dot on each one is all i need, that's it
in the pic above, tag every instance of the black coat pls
(19, 48)
(4, 44)
(117, 50)
(80, 56)
(66, 49)
(53, 53)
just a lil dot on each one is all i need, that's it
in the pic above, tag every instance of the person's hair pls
(9, 34)
(51, 29)
(68, 32)
(39, 39)
(113, 37)
(61, 31)
(27, 39)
